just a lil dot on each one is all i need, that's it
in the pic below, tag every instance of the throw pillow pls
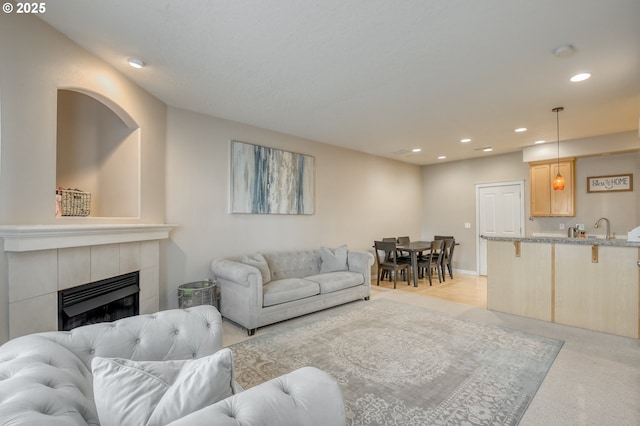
(158, 392)
(333, 260)
(259, 262)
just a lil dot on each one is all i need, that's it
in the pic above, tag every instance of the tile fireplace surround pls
(42, 259)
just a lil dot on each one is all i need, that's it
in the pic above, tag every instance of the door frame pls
(480, 186)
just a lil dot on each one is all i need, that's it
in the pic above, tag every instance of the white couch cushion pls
(157, 392)
(335, 281)
(281, 291)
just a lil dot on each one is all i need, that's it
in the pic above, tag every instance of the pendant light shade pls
(558, 181)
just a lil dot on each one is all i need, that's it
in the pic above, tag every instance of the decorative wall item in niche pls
(270, 181)
(72, 202)
(612, 183)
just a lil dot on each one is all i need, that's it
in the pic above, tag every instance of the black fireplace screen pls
(99, 301)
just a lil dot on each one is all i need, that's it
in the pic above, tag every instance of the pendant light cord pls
(558, 135)
(557, 111)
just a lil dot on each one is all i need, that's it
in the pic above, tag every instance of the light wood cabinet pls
(545, 201)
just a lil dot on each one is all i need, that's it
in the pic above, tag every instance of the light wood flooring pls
(466, 289)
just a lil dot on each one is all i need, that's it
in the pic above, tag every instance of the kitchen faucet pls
(606, 228)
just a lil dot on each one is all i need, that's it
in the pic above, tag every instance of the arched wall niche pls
(98, 151)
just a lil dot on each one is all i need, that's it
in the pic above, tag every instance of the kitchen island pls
(584, 282)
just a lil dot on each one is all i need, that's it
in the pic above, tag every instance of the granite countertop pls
(566, 240)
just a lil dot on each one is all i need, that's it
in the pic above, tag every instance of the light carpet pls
(399, 364)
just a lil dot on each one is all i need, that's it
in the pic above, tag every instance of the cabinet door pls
(562, 202)
(545, 201)
(540, 195)
(600, 296)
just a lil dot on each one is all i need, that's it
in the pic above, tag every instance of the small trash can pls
(198, 293)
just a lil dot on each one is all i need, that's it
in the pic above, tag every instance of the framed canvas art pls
(270, 181)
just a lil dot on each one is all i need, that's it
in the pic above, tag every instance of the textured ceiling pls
(379, 76)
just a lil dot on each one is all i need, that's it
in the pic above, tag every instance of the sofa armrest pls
(360, 261)
(240, 291)
(307, 396)
(236, 272)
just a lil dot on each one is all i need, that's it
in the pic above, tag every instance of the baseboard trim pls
(465, 272)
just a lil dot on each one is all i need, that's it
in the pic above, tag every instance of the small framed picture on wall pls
(611, 183)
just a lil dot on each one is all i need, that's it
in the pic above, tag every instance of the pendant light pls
(558, 181)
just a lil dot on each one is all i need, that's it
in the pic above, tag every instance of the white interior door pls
(499, 212)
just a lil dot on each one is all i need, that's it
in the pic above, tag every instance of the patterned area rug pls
(398, 364)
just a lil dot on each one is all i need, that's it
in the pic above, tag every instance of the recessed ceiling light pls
(136, 62)
(465, 140)
(539, 142)
(580, 77)
(487, 149)
(520, 129)
(416, 150)
(442, 157)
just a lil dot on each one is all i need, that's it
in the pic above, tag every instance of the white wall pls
(358, 199)
(449, 198)
(36, 61)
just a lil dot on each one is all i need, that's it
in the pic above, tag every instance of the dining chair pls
(450, 244)
(403, 240)
(404, 256)
(387, 257)
(386, 260)
(447, 259)
(433, 260)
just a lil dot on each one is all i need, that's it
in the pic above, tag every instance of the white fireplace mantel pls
(22, 238)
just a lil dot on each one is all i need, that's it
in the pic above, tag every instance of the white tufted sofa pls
(45, 378)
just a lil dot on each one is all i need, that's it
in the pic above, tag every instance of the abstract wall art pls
(270, 181)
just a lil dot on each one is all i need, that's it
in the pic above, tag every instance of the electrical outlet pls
(467, 225)
(580, 226)
(561, 226)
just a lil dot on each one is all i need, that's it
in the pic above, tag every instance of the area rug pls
(399, 364)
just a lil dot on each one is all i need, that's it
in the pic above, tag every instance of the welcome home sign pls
(612, 183)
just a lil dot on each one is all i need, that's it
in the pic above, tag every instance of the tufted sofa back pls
(45, 378)
(294, 264)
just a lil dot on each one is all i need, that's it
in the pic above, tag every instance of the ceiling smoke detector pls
(564, 51)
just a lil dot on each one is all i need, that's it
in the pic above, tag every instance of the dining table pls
(414, 249)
